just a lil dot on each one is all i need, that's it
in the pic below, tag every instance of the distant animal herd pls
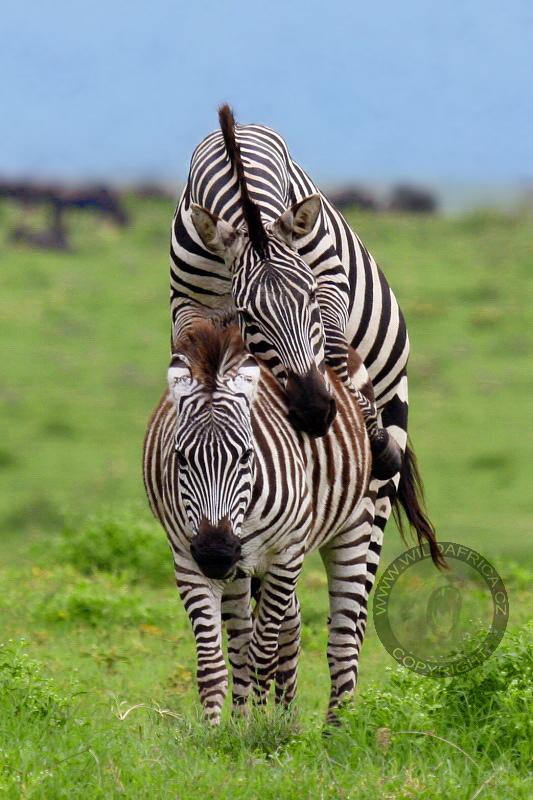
(109, 203)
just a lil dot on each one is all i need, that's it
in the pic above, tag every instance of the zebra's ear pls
(298, 220)
(180, 380)
(217, 235)
(246, 380)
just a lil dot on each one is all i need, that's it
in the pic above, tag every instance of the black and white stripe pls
(240, 493)
(315, 296)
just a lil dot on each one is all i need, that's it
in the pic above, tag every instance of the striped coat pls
(339, 298)
(356, 302)
(241, 494)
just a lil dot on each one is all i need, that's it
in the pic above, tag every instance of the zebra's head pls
(213, 381)
(275, 295)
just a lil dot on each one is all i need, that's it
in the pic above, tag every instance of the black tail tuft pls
(410, 499)
(251, 212)
(227, 126)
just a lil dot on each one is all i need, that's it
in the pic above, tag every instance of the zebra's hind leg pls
(344, 558)
(404, 486)
(237, 616)
(394, 416)
(384, 492)
(288, 654)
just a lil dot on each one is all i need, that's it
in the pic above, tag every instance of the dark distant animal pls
(97, 198)
(241, 493)
(412, 200)
(52, 238)
(94, 196)
(354, 197)
(58, 199)
(253, 233)
(153, 191)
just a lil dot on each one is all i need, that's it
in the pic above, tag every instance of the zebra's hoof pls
(386, 455)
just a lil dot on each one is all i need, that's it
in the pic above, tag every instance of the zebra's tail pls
(410, 500)
(251, 212)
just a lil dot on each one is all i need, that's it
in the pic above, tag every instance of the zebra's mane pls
(252, 215)
(211, 346)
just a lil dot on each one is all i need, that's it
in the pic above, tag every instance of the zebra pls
(252, 233)
(280, 300)
(240, 493)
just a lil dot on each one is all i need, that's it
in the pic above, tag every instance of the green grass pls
(98, 699)
(84, 345)
(97, 691)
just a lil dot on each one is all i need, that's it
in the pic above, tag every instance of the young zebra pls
(241, 493)
(253, 233)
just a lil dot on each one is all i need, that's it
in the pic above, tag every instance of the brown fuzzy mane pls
(208, 345)
(251, 212)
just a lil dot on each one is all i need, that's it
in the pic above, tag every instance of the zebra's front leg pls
(288, 654)
(277, 594)
(344, 558)
(288, 651)
(202, 599)
(237, 616)
(386, 452)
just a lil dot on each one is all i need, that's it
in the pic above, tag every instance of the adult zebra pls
(252, 232)
(241, 493)
(283, 305)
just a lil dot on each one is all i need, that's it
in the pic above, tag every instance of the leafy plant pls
(117, 542)
(24, 690)
(492, 704)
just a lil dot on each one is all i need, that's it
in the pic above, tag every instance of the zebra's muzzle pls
(216, 549)
(311, 407)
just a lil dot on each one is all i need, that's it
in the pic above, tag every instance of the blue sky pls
(382, 91)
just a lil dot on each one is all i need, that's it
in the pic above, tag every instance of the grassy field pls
(97, 695)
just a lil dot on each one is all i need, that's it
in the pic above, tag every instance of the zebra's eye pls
(246, 456)
(182, 461)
